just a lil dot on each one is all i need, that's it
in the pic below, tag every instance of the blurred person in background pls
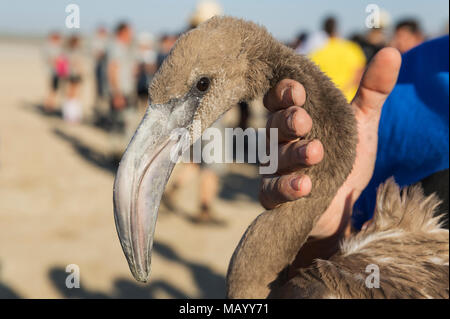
(407, 35)
(300, 40)
(342, 60)
(57, 68)
(375, 39)
(99, 50)
(209, 172)
(413, 136)
(146, 69)
(313, 42)
(372, 42)
(121, 73)
(72, 109)
(205, 10)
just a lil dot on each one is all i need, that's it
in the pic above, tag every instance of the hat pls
(205, 10)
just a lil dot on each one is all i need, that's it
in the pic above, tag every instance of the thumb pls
(378, 81)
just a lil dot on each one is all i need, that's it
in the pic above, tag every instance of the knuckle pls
(266, 100)
(282, 187)
(263, 185)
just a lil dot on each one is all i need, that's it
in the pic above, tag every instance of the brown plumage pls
(404, 241)
(243, 61)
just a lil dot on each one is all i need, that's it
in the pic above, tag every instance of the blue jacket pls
(413, 133)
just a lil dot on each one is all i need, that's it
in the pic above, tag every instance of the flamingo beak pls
(142, 176)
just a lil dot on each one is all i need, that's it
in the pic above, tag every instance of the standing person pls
(72, 109)
(299, 41)
(209, 172)
(413, 136)
(99, 46)
(375, 38)
(343, 61)
(407, 35)
(313, 42)
(56, 68)
(121, 71)
(372, 42)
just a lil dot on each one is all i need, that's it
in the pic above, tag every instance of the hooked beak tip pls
(142, 277)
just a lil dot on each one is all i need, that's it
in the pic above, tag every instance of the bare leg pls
(186, 173)
(209, 184)
(50, 101)
(73, 91)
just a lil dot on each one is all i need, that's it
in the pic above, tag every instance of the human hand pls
(293, 122)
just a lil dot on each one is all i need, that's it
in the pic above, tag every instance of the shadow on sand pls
(8, 293)
(39, 108)
(98, 159)
(233, 184)
(209, 283)
(98, 120)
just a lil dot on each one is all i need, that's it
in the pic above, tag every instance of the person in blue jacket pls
(402, 110)
(413, 133)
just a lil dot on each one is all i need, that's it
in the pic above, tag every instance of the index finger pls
(285, 94)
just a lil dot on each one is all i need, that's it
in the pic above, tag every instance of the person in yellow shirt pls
(342, 60)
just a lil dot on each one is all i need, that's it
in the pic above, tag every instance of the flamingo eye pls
(203, 84)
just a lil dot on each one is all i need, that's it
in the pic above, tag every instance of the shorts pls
(74, 79)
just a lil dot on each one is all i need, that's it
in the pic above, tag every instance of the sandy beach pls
(56, 205)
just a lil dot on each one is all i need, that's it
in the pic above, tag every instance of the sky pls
(283, 18)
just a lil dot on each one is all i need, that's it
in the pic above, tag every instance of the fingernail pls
(302, 151)
(295, 183)
(287, 96)
(290, 121)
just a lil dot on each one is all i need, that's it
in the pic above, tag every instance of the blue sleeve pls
(413, 133)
